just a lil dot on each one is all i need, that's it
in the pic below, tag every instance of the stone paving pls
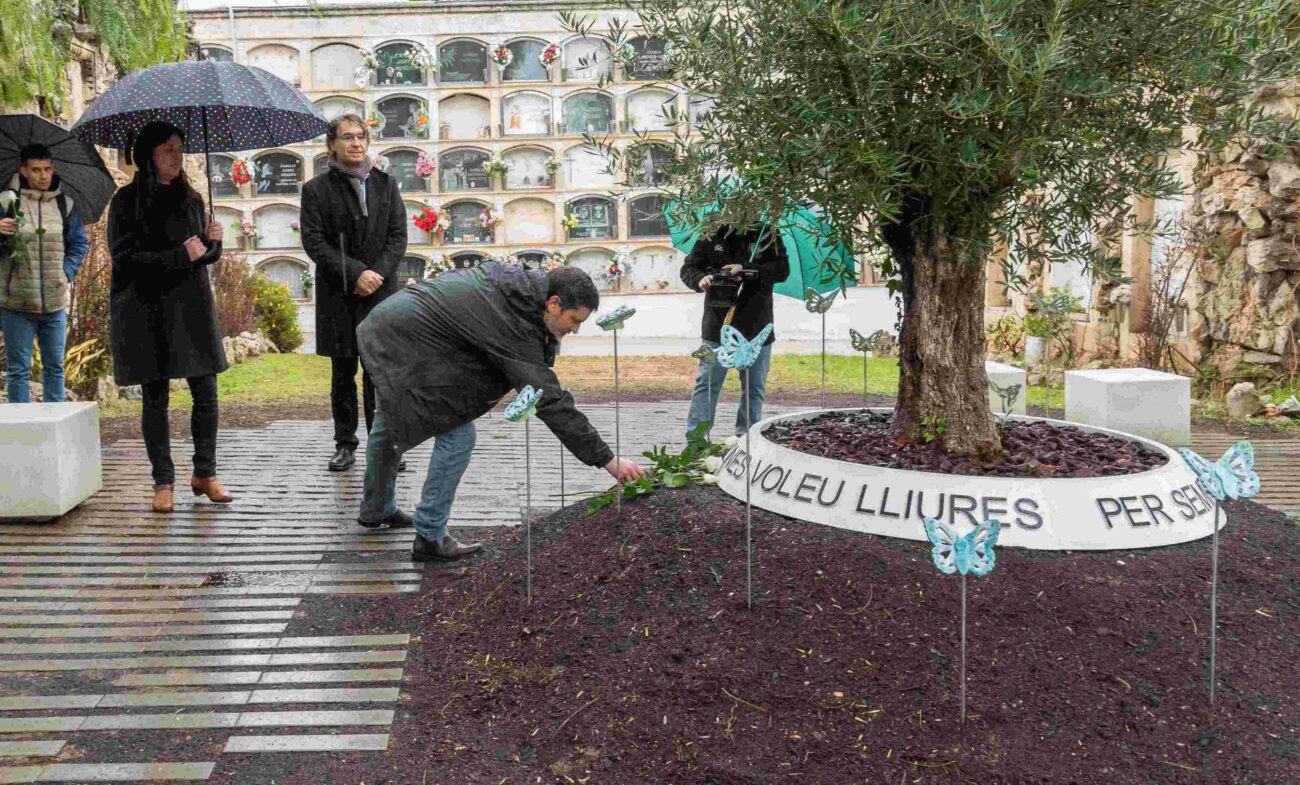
(115, 619)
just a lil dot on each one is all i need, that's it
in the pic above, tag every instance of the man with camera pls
(736, 270)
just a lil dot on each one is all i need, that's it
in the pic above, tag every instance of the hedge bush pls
(276, 315)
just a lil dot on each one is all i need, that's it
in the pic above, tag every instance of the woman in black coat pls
(162, 320)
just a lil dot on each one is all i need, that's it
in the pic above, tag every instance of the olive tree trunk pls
(942, 386)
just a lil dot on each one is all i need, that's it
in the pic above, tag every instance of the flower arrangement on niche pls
(552, 166)
(425, 166)
(501, 55)
(297, 228)
(625, 54)
(488, 219)
(617, 268)
(554, 261)
(549, 55)
(437, 265)
(569, 222)
(241, 172)
(422, 124)
(497, 166)
(433, 221)
(373, 120)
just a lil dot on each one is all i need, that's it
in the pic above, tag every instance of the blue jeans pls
(50, 330)
(708, 387)
(451, 454)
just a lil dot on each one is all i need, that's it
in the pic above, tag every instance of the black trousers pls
(343, 399)
(203, 428)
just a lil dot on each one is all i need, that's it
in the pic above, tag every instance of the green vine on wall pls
(36, 37)
(138, 33)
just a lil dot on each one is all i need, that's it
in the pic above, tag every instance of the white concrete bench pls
(1139, 401)
(1004, 375)
(49, 458)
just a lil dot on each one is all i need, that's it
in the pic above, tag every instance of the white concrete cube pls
(1139, 401)
(49, 458)
(1004, 375)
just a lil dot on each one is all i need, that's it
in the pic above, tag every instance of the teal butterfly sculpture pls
(522, 409)
(524, 406)
(614, 319)
(864, 344)
(1231, 477)
(738, 353)
(818, 303)
(972, 553)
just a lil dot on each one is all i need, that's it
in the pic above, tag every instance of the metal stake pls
(562, 493)
(749, 464)
(1214, 599)
(864, 378)
(709, 366)
(528, 519)
(963, 647)
(618, 448)
(823, 359)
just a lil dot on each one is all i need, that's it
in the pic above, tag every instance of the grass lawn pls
(305, 378)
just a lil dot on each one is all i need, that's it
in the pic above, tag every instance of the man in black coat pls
(353, 226)
(756, 259)
(442, 352)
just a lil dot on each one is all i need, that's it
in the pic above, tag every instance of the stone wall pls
(1247, 312)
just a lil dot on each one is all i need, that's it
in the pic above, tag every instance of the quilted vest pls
(35, 284)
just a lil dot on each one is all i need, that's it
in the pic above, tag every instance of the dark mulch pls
(638, 662)
(1030, 449)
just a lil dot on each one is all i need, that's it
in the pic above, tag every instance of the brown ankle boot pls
(163, 498)
(210, 487)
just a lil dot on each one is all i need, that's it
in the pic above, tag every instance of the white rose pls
(731, 441)
(709, 479)
(713, 464)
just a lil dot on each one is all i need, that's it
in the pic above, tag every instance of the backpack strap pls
(62, 200)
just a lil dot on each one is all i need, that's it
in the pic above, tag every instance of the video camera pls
(725, 287)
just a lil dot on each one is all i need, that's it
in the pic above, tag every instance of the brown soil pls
(1030, 449)
(638, 662)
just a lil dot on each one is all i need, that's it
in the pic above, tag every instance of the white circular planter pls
(1162, 506)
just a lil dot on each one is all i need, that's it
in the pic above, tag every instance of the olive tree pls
(931, 130)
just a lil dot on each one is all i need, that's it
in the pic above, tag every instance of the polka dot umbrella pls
(221, 107)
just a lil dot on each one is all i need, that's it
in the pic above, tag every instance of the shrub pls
(88, 318)
(276, 314)
(234, 293)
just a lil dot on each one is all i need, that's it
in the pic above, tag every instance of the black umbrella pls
(81, 171)
(220, 106)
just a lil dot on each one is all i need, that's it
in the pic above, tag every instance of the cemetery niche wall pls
(1161, 506)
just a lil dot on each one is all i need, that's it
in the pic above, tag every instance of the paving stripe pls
(214, 678)
(117, 772)
(30, 749)
(173, 569)
(206, 556)
(173, 721)
(376, 742)
(148, 605)
(139, 632)
(325, 587)
(223, 661)
(206, 698)
(145, 618)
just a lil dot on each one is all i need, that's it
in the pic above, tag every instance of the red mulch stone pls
(638, 662)
(1031, 449)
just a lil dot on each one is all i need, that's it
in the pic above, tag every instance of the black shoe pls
(401, 465)
(446, 549)
(398, 520)
(343, 459)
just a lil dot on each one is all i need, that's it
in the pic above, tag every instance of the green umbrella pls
(802, 232)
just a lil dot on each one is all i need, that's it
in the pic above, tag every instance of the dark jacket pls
(162, 323)
(442, 353)
(375, 241)
(754, 302)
